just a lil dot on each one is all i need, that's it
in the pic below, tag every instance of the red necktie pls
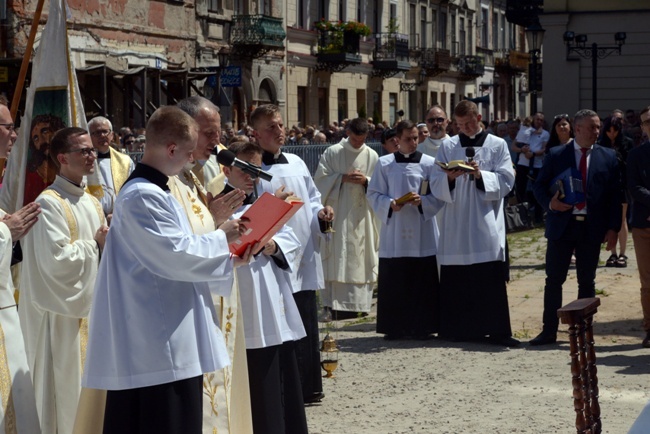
(583, 172)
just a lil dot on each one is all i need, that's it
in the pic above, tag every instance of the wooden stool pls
(579, 315)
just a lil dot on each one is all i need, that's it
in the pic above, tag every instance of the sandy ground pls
(443, 387)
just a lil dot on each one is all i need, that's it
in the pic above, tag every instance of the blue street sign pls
(231, 76)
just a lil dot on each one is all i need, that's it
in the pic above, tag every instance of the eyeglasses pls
(85, 152)
(564, 116)
(436, 120)
(99, 133)
(10, 127)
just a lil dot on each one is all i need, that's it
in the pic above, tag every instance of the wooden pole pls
(18, 92)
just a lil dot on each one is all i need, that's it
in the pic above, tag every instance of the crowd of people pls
(135, 316)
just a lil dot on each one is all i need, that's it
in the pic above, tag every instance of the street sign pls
(231, 76)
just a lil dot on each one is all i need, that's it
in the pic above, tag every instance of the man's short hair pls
(388, 134)
(245, 148)
(465, 108)
(170, 124)
(263, 112)
(403, 126)
(192, 105)
(60, 143)
(358, 126)
(99, 120)
(583, 114)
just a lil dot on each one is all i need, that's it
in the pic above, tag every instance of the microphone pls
(227, 158)
(469, 153)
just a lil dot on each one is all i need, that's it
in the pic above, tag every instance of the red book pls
(264, 219)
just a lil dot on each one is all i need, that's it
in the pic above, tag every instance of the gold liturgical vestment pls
(226, 395)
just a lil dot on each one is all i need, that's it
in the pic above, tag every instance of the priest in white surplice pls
(114, 166)
(407, 294)
(437, 122)
(350, 252)
(18, 408)
(291, 175)
(154, 331)
(226, 399)
(61, 256)
(472, 253)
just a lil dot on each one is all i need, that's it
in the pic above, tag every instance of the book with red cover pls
(264, 219)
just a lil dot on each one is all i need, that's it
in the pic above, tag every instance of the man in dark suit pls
(582, 227)
(638, 183)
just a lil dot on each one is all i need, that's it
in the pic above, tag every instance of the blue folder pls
(569, 184)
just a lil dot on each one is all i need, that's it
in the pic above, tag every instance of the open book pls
(264, 219)
(456, 165)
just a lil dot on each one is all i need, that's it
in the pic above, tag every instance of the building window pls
(342, 103)
(502, 31)
(462, 36)
(215, 6)
(323, 9)
(392, 108)
(423, 27)
(495, 31)
(323, 118)
(302, 106)
(443, 30)
(485, 28)
(470, 33)
(434, 22)
(454, 37)
(342, 10)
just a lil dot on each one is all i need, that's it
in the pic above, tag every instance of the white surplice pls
(430, 146)
(350, 253)
(226, 394)
(60, 259)
(271, 316)
(472, 220)
(404, 233)
(153, 320)
(307, 268)
(18, 407)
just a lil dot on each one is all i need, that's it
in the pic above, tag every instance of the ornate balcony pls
(435, 61)
(391, 54)
(253, 36)
(512, 61)
(470, 67)
(337, 49)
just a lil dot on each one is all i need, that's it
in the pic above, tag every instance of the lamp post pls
(406, 86)
(577, 44)
(534, 38)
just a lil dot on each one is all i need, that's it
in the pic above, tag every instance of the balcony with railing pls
(391, 54)
(435, 61)
(253, 36)
(512, 61)
(470, 67)
(337, 49)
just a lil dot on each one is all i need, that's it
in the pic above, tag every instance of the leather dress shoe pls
(544, 338)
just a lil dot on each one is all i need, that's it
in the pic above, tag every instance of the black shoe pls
(393, 337)
(544, 338)
(646, 341)
(316, 397)
(506, 341)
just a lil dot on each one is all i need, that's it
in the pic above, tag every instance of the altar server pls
(407, 304)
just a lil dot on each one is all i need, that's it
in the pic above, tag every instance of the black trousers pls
(307, 348)
(170, 408)
(277, 405)
(558, 260)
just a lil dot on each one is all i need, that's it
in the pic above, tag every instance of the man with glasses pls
(61, 255)
(638, 183)
(436, 122)
(114, 166)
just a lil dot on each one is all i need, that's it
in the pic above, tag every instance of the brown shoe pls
(646, 341)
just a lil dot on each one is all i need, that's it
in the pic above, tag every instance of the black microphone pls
(469, 153)
(227, 158)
